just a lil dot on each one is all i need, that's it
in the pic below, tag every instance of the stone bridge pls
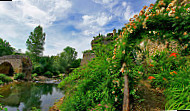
(16, 63)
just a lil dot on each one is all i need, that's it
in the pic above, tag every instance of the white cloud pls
(32, 12)
(121, 9)
(103, 1)
(100, 19)
(93, 24)
(103, 19)
(33, 16)
(128, 13)
(87, 19)
(124, 4)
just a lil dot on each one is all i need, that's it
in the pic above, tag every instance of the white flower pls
(154, 32)
(158, 11)
(115, 99)
(162, 9)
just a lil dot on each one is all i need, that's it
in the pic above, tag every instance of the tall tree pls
(5, 48)
(67, 57)
(35, 43)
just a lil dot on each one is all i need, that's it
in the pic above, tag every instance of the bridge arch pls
(19, 63)
(6, 68)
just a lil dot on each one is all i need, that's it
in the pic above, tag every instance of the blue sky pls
(65, 22)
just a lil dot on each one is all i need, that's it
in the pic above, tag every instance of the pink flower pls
(106, 106)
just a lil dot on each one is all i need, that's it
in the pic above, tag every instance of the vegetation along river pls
(25, 95)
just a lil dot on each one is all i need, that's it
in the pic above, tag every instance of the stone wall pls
(156, 46)
(87, 57)
(103, 40)
(20, 64)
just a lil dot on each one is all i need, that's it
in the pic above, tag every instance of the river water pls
(25, 95)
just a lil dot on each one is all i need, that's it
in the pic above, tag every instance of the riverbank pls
(56, 106)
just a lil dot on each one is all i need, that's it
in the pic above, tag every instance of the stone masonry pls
(20, 64)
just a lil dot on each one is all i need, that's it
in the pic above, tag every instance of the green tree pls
(67, 58)
(5, 48)
(35, 43)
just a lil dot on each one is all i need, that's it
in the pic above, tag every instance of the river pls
(25, 95)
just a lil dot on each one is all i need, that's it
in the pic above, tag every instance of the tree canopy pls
(67, 58)
(35, 43)
(5, 48)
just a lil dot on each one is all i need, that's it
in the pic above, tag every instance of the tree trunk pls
(126, 94)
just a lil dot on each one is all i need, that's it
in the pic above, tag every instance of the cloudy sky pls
(65, 22)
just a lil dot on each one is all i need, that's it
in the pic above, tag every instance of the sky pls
(66, 22)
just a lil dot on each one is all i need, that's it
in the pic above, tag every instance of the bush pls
(4, 78)
(1, 82)
(19, 76)
(48, 74)
(37, 68)
(34, 75)
(35, 109)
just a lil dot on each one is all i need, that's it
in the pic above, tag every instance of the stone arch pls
(6, 68)
(20, 64)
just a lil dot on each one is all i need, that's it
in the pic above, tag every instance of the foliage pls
(35, 109)
(19, 76)
(148, 26)
(93, 86)
(76, 63)
(35, 43)
(109, 38)
(88, 89)
(66, 60)
(86, 86)
(86, 94)
(174, 77)
(63, 63)
(34, 75)
(87, 51)
(37, 68)
(5, 48)
(45, 64)
(48, 74)
(1, 106)
(4, 78)
(1, 82)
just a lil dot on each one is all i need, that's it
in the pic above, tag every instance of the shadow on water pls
(25, 95)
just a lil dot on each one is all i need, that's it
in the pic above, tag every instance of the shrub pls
(1, 82)
(19, 76)
(37, 68)
(35, 109)
(5, 78)
(48, 74)
(34, 75)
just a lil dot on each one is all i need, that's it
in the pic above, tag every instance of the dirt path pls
(154, 99)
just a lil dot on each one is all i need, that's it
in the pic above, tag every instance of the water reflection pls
(24, 96)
